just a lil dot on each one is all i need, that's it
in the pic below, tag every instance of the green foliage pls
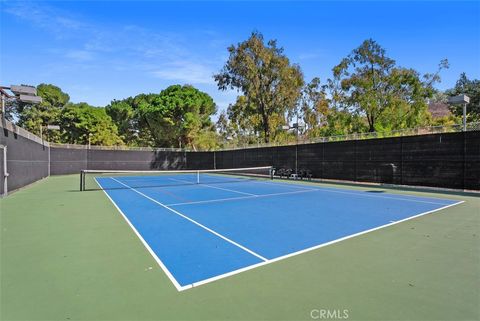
(52, 96)
(123, 115)
(243, 118)
(81, 123)
(369, 83)
(368, 92)
(407, 105)
(11, 107)
(178, 116)
(270, 84)
(341, 122)
(446, 121)
(235, 130)
(471, 88)
(33, 117)
(314, 108)
(131, 125)
(78, 122)
(224, 127)
(207, 139)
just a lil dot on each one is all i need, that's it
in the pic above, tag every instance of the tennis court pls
(71, 255)
(208, 225)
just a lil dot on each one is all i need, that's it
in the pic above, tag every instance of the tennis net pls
(118, 179)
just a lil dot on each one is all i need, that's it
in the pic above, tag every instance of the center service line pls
(223, 189)
(195, 222)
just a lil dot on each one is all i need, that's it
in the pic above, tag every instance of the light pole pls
(227, 139)
(48, 127)
(296, 126)
(457, 100)
(461, 99)
(26, 94)
(89, 140)
(4, 96)
(4, 172)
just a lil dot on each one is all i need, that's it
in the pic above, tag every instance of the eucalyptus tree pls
(390, 97)
(264, 75)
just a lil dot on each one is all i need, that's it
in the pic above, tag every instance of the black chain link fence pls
(27, 157)
(450, 160)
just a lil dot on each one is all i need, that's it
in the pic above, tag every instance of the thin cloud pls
(80, 55)
(186, 71)
(129, 40)
(122, 49)
(53, 20)
(311, 55)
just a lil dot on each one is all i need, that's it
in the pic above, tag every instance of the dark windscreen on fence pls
(450, 160)
(74, 159)
(433, 160)
(378, 160)
(200, 160)
(27, 156)
(67, 160)
(2, 168)
(135, 160)
(472, 160)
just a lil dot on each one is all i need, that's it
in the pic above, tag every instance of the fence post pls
(81, 180)
(401, 160)
(5, 171)
(355, 158)
(464, 134)
(214, 159)
(322, 175)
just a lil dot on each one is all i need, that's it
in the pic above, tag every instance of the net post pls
(81, 180)
(198, 177)
(272, 172)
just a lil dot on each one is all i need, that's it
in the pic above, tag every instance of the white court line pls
(218, 277)
(294, 185)
(149, 249)
(194, 222)
(229, 190)
(298, 192)
(320, 186)
(240, 198)
(322, 189)
(359, 193)
(223, 189)
(265, 261)
(366, 194)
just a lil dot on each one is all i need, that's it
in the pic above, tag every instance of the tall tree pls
(265, 76)
(390, 97)
(82, 123)
(131, 125)
(179, 116)
(243, 118)
(223, 126)
(314, 108)
(238, 124)
(471, 88)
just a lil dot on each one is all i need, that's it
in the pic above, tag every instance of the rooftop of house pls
(439, 109)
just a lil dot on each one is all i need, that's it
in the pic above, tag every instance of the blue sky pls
(99, 51)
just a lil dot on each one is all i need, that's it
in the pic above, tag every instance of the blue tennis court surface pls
(202, 232)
